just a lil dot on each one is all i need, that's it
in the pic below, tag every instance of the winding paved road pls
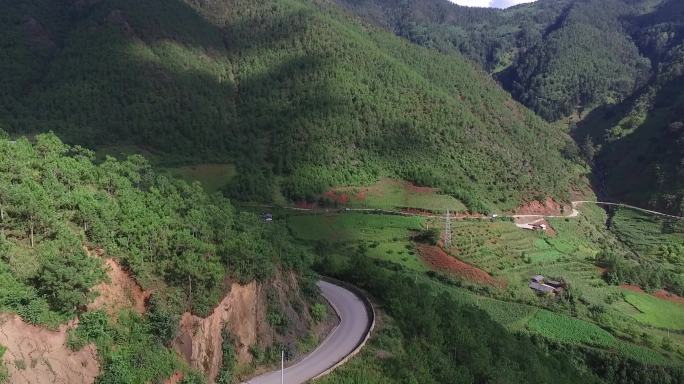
(340, 343)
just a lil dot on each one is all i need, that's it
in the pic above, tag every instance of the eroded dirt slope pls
(243, 312)
(200, 339)
(122, 291)
(36, 355)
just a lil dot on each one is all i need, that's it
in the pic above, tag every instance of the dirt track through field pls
(574, 213)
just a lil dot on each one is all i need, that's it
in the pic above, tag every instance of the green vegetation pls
(591, 320)
(657, 312)
(615, 65)
(353, 227)
(654, 254)
(318, 312)
(213, 177)
(568, 330)
(4, 375)
(643, 135)
(386, 236)
(434, 339)
(56, 203)
(228, 360)
(300, 96)
(553, 56)
(126, 346)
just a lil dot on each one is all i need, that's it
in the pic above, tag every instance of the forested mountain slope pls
(567, 57)
(61, 213)
(555, 56)
(637, 146)
(301, 95)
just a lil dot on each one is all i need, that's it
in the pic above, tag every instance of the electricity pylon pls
(447, 231)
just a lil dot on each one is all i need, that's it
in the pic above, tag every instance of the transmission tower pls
(447, 231)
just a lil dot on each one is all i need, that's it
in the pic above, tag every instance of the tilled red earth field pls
(661, 294)
(437, 259)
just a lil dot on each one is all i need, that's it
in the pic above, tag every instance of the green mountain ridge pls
(565, 58)
(299, 95)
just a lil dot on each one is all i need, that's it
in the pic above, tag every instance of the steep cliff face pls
(247, 312)
(200, 339)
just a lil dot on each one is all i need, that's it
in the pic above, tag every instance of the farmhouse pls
(533, 227)
(542, 288)
(545, 286)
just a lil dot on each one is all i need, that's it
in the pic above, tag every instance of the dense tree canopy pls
(56, 202)
(566, 57)
(301, 96)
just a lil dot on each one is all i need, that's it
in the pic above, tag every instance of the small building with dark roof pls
(542, 288)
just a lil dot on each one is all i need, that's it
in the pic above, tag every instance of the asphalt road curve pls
(340, 343)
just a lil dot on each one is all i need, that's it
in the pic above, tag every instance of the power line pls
(447, 231)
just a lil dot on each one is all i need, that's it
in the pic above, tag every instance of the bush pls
(318, 312)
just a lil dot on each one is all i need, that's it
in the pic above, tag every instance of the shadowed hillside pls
(612, 63)
(301, 96)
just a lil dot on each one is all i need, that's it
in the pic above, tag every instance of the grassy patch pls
(212, 176)
(394, 194)
(569, 330)
(353, 226)
(657, 312)
(386, 236)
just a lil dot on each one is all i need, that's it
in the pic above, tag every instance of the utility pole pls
(282, 366)
(447, 231)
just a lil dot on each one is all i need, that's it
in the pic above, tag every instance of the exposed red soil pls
(199, 339)
(175, 378)
(669, 296)
(633, 288)
(549, 207)
(337, 197)
(416, 211)
(436, 258)
(122, 291)
(661, 294)
(37, 355)
(412, 188)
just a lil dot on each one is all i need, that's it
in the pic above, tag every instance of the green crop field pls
(569, 330)
(600, 318)
(652, 238)
(353, 226)
(385, 236)
(395, 194)
(657, 312)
